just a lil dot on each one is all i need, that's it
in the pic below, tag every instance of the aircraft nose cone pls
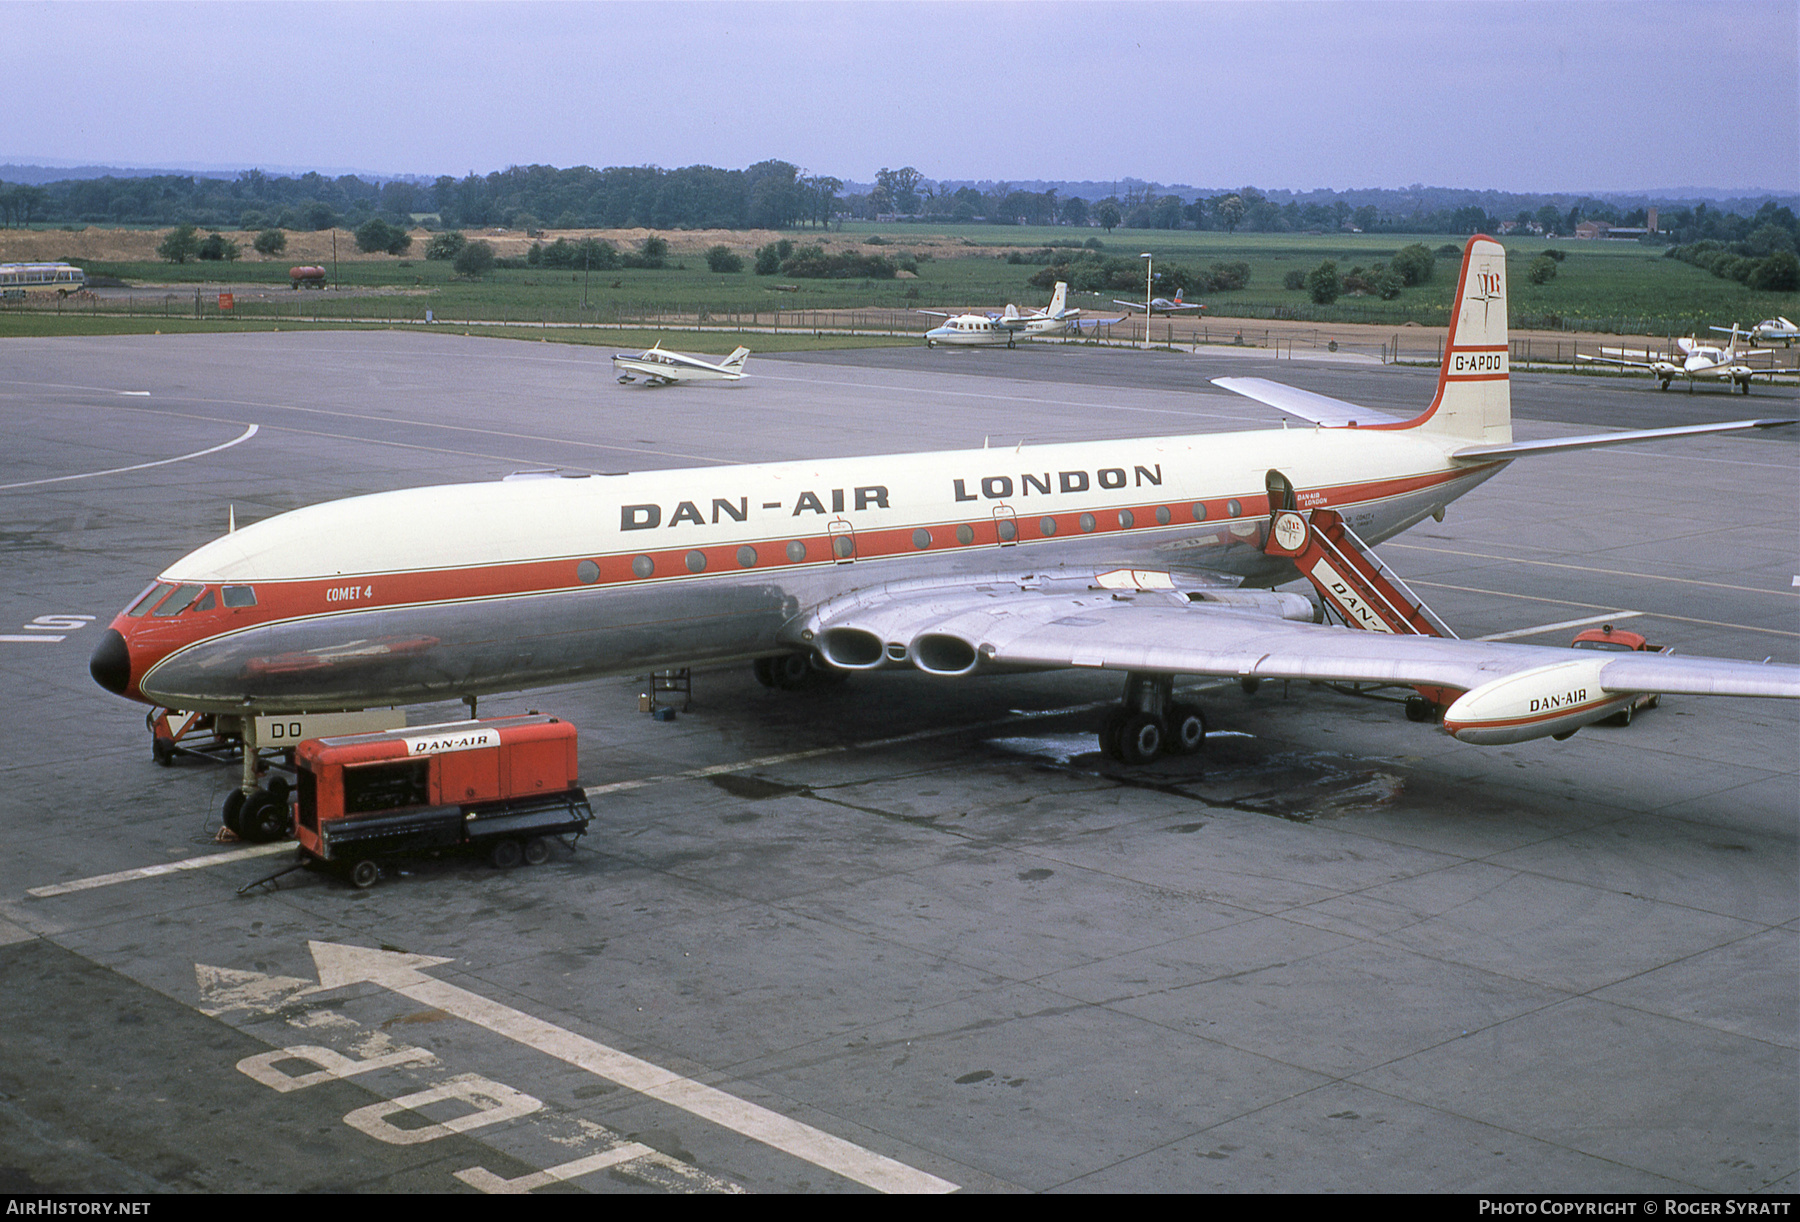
(111, 663)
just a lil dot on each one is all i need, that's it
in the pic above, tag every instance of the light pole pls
(1148, 264)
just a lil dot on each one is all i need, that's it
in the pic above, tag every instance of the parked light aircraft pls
(1162, 305)
(662, 368)
(1012, 324)
(1696, 360)
(1146, 557)
(976, 330)
(1769, 329)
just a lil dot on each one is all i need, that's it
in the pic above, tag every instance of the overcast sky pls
(1521, 95)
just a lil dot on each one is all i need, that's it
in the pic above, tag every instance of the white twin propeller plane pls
(1010, 325)
(1153, 558)
(1695, 360)
(1769, 329)
(662, 368)
(1163, 305)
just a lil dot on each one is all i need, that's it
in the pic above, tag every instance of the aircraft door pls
(1281, 492)
(1006, 526)
(843, 541)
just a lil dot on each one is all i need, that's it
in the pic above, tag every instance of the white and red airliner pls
(1145, 557)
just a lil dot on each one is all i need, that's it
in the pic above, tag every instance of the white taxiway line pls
(766, 761)
(1612, 617)
(344, 965)
(246, 435)
(171, 867)
(1585, 568)
(1569, 602)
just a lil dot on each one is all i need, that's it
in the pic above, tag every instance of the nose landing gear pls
(1150, 722)
(252, 811)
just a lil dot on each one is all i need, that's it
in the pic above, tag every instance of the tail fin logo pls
(1489, 287)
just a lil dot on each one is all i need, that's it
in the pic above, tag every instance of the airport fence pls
(1281, 339)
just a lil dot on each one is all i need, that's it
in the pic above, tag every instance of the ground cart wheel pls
(505, 854)
(364, 874)
(537, 851)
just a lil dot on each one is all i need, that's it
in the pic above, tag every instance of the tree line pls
(767, 195)
(776, 194)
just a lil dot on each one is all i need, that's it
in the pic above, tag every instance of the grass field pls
(623, 339)
(1600, 286)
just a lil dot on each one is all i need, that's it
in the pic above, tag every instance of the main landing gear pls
(1150, 721)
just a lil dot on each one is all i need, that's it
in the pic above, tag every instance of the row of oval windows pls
(588, 572)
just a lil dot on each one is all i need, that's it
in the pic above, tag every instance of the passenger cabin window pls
(239, 596)
(372, 787)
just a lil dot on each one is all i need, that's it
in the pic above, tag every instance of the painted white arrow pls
(404, 974)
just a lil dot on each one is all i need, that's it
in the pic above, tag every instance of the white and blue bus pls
(17, 279)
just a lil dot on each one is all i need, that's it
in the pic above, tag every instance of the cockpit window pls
(206, 603)
(148, 599)
(177, 602)
(239, 596)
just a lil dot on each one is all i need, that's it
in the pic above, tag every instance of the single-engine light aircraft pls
(1767, 330)
(1695, 360)
(1151, 557)
(1163, 305)
(661, 368)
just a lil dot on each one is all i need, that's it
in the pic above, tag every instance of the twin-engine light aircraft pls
(1696, 360)
(1006, 327)
(1768, 330)
(661, 368)
(1162, 305)
(1151, 557)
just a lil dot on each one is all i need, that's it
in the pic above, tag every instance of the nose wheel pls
(252, 811)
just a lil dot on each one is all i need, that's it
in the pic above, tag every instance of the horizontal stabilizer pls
(1320, 409)
(1518, 449)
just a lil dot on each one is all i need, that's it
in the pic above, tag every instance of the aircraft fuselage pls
(439, 592)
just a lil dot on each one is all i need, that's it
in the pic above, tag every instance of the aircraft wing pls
(1028, 623)
(1129, 305)
(1511, 693)
(1615, 360)
(1320, 409)
(1517, 449)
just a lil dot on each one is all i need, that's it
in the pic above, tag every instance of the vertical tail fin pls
(1474, 397)
(736, 359)
(1059, 301)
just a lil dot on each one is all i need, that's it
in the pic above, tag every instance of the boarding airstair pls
(1357, 587)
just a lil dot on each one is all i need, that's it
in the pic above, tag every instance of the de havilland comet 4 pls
(1152, 558)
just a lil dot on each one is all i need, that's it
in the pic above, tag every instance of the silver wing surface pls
(1166, 626)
